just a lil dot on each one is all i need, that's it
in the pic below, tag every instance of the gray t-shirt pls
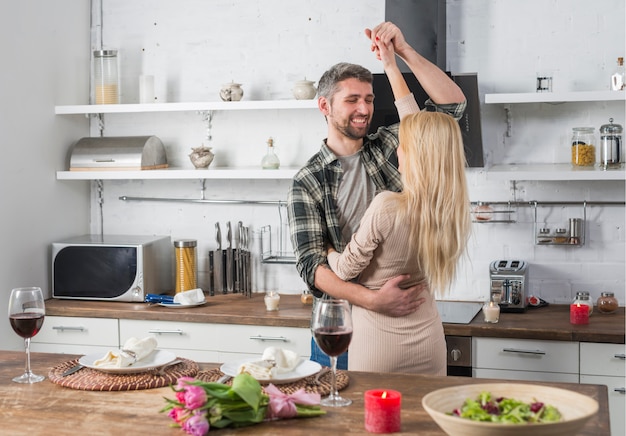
(356, 191)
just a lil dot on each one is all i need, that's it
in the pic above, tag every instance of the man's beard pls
(352, 132)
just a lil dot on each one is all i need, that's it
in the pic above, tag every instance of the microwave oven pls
(112, 267)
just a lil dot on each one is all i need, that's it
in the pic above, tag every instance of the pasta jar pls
(583, 146)
(607, 303)
(583, 298)
(186, 273)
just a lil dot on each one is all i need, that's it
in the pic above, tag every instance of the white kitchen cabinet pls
(605, 364)
(75, 335)
(243, 341)
(217, 342)
(555, 172)
(525, 359)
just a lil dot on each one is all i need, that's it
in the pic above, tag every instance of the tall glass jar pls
(583, 146)
(186, 272)
(106, 79)
(610, 145)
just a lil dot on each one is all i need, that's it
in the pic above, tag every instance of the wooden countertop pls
(46, 408)
(547, 323)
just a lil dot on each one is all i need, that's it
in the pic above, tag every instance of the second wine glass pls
(332, 330)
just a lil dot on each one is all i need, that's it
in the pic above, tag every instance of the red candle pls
(579, 314)
(382, 410)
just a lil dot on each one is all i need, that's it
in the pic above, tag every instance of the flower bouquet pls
(201, 405)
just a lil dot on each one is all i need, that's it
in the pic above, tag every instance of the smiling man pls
(331, 192)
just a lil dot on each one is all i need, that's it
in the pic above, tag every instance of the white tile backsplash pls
(192, 49)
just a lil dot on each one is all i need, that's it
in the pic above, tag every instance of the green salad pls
(506, 410)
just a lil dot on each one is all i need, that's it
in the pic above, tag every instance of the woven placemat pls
(88, 379)
(213, 375)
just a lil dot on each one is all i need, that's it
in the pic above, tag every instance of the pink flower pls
(191, 396)
(195, 397)
(196, 425)
(177, 414)
(282, 405)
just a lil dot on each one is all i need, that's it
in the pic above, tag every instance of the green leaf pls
(248, 389)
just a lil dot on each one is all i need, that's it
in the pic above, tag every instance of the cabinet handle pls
(269, 338)
(620, 390)
(71, 328)
(519, 350)
(166, 332)
(620, 356)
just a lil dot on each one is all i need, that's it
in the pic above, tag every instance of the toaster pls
(509, 284)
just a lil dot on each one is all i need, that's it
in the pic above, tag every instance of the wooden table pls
(47, 408)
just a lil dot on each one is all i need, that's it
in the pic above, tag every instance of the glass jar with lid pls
(607, 303)
(583, 298)
(583, 146)
(610, 145)
(106, 79)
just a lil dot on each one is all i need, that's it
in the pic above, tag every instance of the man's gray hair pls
(327, 85)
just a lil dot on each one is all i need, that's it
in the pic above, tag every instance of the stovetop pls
(458, 312)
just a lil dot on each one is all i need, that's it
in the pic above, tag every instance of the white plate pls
(181, 306)
(154, 360)
(304, 369)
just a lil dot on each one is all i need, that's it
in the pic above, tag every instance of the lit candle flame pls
(384, 395)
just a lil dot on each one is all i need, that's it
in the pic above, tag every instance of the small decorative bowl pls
(575, 409)
(201, 157)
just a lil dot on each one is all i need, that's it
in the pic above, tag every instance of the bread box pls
(118, 153)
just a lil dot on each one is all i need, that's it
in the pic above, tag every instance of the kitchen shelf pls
(558, 172)
(180, 174)
(555, 97)
(184, 107)
(545, 172)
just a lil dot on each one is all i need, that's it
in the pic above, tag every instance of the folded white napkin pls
(193, 296)
(274, 361)
(119, 359)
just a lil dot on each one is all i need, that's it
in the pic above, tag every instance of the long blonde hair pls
(435, 194)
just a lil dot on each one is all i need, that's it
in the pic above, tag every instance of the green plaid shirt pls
(312, 200)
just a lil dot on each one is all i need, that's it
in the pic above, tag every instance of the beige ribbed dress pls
(377, 252)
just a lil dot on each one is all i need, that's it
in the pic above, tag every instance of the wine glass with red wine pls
(26, 313)
(332, 330)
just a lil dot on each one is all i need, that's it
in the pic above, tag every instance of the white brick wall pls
(193, 46)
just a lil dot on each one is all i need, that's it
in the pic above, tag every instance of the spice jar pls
(561, 236)
(607, 303)
(583, 299)
(583, 146)
(483, 212)
(106, 79)
(610, 145)
(186, 273)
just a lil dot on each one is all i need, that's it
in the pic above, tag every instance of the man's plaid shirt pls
(311, 204)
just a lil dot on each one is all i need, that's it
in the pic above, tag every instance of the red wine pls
(332, 341)
(26, 324)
